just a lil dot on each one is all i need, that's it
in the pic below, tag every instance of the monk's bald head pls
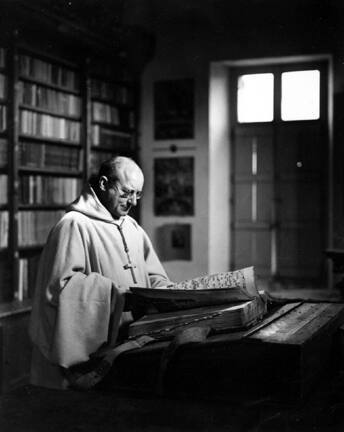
(119, 185)
(120, 168)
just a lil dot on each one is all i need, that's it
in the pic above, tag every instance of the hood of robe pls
(88, 203)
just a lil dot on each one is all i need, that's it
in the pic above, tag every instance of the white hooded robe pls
(78, 303)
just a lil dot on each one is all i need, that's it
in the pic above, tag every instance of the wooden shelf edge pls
(24, 207)
(15, 307)
(49, 112)
(111, 126)
(113, 103)
(46, 140)
(52, 172)
(49, 85)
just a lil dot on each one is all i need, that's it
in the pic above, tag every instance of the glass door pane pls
(255, 95)
(300, 95)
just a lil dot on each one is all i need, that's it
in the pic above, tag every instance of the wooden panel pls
(299, 253)
(301, 210)
(253, 195)
(253, 247)
(281, 358)
(300, 142)
(243, 202)
(299, 324)
(264, 202)
(243, 156)
(301, 201)
(15, 352)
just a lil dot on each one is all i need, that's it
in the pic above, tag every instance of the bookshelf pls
(4, 213)
(61, 118)
(48, 159)
(113, 116)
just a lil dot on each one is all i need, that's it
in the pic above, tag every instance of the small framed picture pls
(174, 109)
(174, 186)
(174, 242)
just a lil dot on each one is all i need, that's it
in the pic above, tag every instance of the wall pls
(191, 38)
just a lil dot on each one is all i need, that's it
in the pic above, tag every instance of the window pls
(300, 95)
(255, 98)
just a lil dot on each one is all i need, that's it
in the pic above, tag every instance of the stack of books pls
(223, 301)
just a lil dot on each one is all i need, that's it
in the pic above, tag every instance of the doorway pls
(279, 182)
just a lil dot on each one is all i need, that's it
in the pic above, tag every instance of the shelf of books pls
(49, 159)
(4, 215)
(58, 121)
(112, 119)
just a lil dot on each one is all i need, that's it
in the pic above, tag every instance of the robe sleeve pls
(72, 310)
(156, 272)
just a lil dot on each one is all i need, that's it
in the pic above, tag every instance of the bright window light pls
(300, 95)
(255, 98)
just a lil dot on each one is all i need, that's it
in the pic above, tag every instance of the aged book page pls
(219, 288)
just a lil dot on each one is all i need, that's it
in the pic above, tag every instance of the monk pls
(91, 258)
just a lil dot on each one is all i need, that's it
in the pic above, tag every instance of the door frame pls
(233, 65)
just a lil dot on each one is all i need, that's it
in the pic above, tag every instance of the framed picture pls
(174, 242)
(174, 186)
(174, 109)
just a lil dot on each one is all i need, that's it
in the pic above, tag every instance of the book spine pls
(34, 226)
(171, 329)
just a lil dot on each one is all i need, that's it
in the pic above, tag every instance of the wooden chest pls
(281, 358)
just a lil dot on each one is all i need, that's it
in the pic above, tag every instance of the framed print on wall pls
(174, 109)
(174, 186)
(174, 242)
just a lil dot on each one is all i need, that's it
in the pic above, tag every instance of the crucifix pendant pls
(131, 267)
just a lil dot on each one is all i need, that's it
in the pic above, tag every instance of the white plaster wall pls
(185, 48)
(219, 169)
(197, 148)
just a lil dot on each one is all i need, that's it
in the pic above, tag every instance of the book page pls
(243, 279)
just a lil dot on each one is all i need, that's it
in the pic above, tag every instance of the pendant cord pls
(130, 265)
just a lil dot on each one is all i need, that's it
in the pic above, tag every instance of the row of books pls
(102, 112)
(3, 189)
(2, 57)
(41, 97)
(3, 229)
(3, 118)
(97, 158)
(47, 126)
(115, 93)
(36, 189)
(3, 86)
(49, 73)
(5, 277)
(3, 152)
(47, 156)
(27, 277)
(101, 136)
(34, 226)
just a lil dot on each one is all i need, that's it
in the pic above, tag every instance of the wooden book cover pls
(218, 318)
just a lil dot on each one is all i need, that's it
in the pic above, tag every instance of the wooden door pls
(279, 176)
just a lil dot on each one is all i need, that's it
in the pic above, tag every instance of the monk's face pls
(124, 192)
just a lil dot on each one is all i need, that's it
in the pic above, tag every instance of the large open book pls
(219, 318)
(221, 301)
(216, 289)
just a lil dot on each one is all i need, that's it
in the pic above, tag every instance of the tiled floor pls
(32, 409)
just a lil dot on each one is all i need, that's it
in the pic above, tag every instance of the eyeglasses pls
(127, 194)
